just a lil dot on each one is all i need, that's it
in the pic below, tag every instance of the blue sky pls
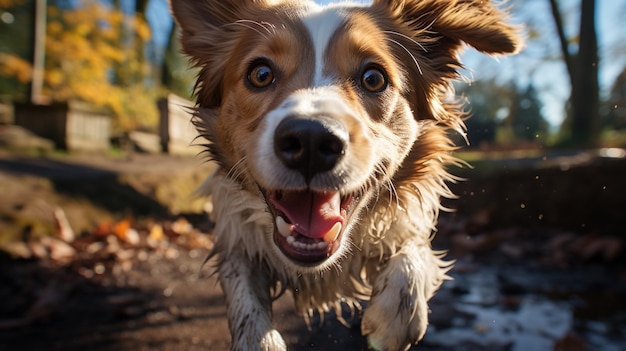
(548, 75)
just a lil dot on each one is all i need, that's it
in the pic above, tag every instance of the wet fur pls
(387, 257)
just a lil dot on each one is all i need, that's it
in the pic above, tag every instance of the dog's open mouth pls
(309, 225)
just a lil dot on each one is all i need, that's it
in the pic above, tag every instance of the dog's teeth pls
(333, 233)
(283, 227)
(291, 240)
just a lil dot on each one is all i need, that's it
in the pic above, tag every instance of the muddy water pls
(528, 308)
(508, 307)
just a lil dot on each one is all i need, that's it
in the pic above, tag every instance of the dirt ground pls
(107, 254)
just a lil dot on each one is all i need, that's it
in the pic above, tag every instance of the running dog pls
(330, 125)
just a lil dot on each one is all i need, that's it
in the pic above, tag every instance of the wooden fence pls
(71, 126)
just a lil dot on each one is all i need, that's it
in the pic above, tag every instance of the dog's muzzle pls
(309, 223)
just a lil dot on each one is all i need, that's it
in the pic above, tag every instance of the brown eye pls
(374, 80)
(260, 75)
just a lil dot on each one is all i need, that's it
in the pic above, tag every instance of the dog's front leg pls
(247, 290)
(397, 315)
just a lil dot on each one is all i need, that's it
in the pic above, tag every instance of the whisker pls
(268, 25)
(408, 52)
(387, 184)
(393, 193)
(407, 38)
(242, 23)
(236, 170)
(264, 25)
(379, 170)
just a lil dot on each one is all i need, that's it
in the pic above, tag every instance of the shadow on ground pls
(101, 187)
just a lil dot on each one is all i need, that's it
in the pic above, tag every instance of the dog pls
(330, 128)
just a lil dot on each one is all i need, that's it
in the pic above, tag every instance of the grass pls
(493, 161)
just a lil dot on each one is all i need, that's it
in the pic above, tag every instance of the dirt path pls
(139, 283)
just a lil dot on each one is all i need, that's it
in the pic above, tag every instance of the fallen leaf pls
(103, 229)
(38, 250)
(181, 226)
(156, 232)
(64, 230)
(132, 237)
(58, 249)
(121, 228)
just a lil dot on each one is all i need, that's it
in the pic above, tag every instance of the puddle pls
(517, 310)
(536, 325)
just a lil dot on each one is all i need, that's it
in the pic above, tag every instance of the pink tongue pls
(312, 214)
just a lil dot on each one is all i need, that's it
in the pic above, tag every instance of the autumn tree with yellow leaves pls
(15, 69)
(94, 54)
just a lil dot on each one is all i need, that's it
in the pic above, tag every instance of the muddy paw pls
(269, 341)
(397, 315)
(273, 341)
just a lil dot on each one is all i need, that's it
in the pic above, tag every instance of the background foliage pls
(95, 53)
(123, 55)
(102, 64)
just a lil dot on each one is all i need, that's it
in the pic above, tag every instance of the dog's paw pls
(387, 330)
(397, 315)
(273, 341)
(270, 341)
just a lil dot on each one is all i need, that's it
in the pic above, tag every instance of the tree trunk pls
(585, 92)
(581, 125)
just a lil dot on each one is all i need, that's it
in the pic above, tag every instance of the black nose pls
(310, 146)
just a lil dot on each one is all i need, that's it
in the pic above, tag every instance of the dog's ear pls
(476, 22)
(430, 33)
(208, 38)
(200, 16)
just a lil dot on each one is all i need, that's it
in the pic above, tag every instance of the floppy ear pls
(476, 22)
(201, 17)
(209, 39)
(196, 19)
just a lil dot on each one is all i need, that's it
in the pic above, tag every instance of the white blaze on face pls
(322, 23)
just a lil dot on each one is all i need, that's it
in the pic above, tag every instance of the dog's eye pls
(260, 75)
(374, 80)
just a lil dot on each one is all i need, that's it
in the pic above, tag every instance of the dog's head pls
(321, 109)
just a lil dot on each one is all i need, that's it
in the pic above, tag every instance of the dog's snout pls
(310, 146)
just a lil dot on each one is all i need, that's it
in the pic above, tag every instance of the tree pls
(177, 74)
(503, 114)
(489, 101)
(16, 38)
(94, 53)
(615, 116)
(89, 57)
(580, 127)
(525, 121)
